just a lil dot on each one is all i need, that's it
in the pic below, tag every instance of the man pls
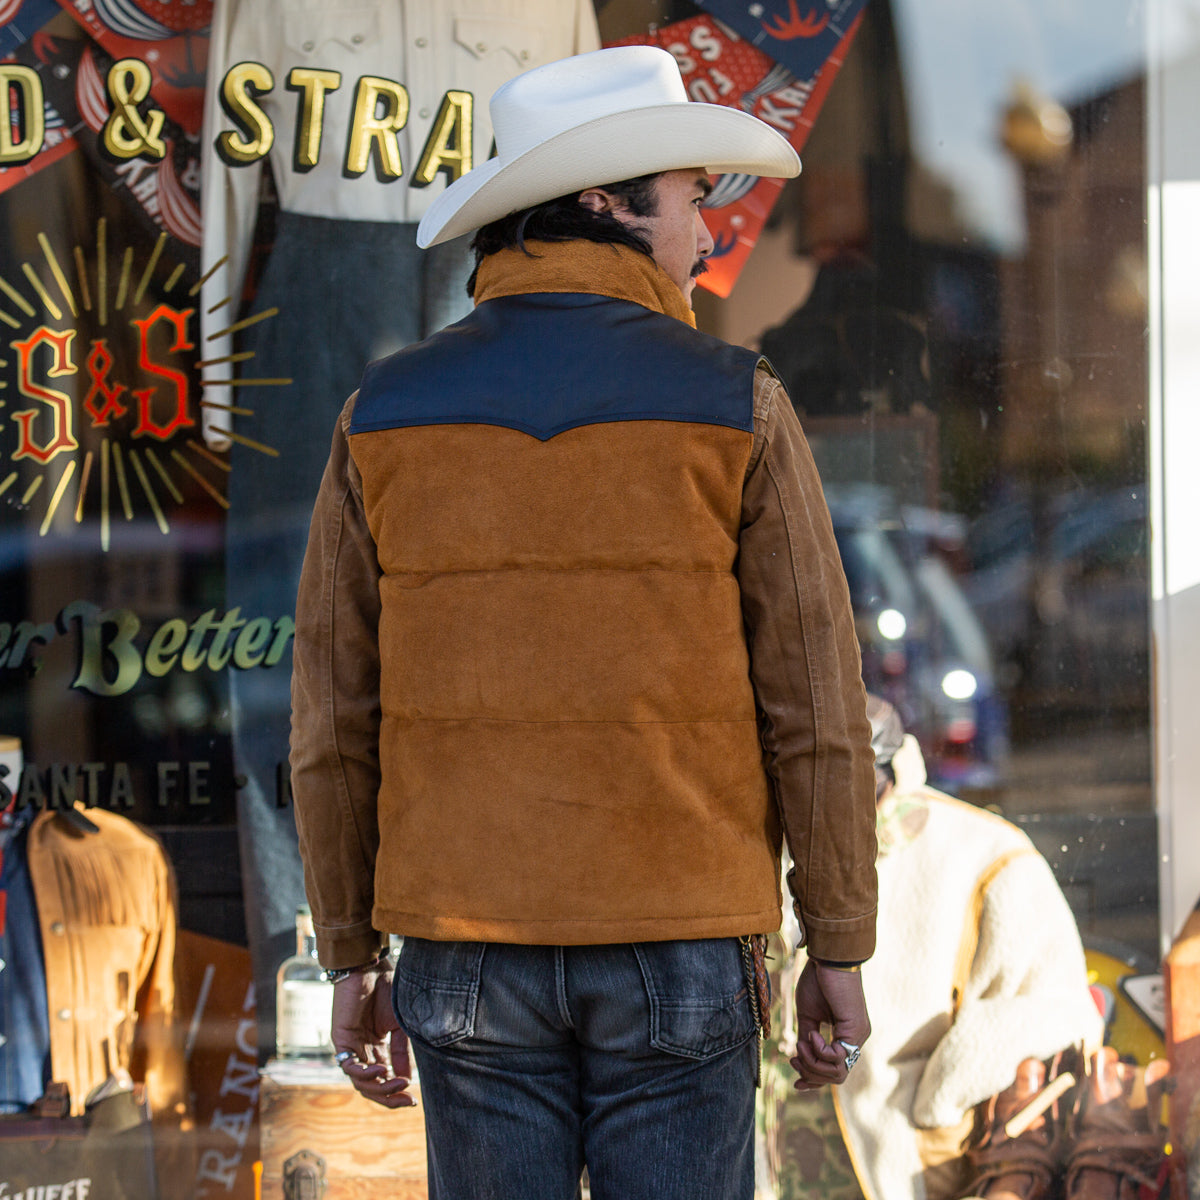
(574, 648)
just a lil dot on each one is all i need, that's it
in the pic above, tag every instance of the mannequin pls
(349, 285)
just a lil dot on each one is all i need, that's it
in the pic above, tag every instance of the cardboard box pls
(313, 1119)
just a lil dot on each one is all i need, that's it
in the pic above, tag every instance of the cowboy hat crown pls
(594, 119)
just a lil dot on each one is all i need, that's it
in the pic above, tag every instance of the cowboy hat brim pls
(610, 148)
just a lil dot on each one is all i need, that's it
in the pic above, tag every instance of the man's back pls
(563, 660)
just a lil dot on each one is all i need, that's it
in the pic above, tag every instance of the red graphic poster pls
(20, 20)
(798, 34)
(719, 67)
(171, 38)
(71, 72)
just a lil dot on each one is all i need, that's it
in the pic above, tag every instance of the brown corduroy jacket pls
(574, 688)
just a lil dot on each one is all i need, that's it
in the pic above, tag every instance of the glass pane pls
(954, 291)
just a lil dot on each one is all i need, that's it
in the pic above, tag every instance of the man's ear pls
(597, 200)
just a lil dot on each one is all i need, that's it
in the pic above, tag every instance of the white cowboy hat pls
(594, 119)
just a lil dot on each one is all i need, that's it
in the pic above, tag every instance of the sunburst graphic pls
(118, 475)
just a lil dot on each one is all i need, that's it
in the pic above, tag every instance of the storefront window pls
(955, 292)
(959, 292)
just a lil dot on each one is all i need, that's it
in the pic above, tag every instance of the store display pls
(207, 227)
(297, 102)
(107, 915)
(91, 1047)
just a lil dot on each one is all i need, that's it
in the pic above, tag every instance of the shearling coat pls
(574, 647)
(980, 967)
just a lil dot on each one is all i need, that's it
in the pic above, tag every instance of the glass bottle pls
(303, 998)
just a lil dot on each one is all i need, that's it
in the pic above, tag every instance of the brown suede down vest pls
(569, 744)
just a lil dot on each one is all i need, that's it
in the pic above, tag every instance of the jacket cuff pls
(348, 946)
(851, 940)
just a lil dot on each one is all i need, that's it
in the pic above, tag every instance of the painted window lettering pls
(112, 653)
(103, 398)
(72, 1189)
(381, 111)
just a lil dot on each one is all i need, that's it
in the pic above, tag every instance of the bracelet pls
(337, 974)
(851, 968)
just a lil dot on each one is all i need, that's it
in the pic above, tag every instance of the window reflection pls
(966, 345)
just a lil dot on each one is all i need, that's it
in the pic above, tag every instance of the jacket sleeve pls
(335, 713)
(807, 678)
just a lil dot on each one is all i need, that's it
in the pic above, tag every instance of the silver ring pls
(852, 1052)
(343, 1056)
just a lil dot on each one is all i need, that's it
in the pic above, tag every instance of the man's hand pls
(827, 996)
(366, 1030)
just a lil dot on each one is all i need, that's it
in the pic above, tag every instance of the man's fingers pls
(809, 1080)
(371, 1049)
(389, 1097)
(818, 1062)
(379, 1053)
(829, 996)
(374, 1082)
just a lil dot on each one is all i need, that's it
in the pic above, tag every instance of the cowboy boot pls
(1120, 1142)
(1016, 1155)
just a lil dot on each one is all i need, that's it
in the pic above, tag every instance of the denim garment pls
(637, 1061)
(347, 292)
(24, 1017)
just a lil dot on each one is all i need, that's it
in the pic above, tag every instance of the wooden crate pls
(368, 1151)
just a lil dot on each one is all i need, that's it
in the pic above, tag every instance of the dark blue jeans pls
(637, 1061)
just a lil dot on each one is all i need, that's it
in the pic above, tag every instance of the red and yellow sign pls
(99, 387)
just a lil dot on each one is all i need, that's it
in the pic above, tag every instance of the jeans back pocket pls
(699, 1006)
(435, 989)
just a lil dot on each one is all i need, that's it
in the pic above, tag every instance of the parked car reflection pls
(1060, 583)
(923, 648)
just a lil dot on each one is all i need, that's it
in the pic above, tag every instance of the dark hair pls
(885, 777)
(564, 219)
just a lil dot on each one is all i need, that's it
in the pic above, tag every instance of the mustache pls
(699, 269)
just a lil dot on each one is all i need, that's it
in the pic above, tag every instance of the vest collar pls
(581, 266)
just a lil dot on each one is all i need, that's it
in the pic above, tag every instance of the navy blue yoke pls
(548, 362)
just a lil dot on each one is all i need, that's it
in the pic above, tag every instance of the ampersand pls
(99, 363)
(126, 133)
